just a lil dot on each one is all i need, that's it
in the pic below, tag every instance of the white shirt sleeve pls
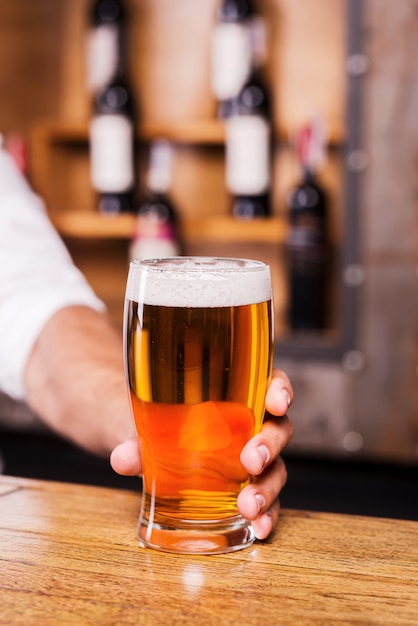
(37, 275)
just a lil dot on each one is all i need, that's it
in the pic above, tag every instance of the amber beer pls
(198, 352)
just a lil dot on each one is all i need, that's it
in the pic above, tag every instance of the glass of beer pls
(198, 346)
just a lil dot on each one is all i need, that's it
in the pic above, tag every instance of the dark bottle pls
(112, 135)
(308, 244)
(248, 146)
(156, 232)
(105, 43)
(112, 147)
(231, 52)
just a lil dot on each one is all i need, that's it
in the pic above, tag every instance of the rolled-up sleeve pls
(37, 276)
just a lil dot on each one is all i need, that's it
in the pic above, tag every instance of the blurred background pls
(333, 85)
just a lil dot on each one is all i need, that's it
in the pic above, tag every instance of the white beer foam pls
(199, 282)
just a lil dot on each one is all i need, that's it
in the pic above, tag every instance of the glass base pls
(215, 537)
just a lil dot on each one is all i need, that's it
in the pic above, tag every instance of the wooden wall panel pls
(30, 62)
(307, 61)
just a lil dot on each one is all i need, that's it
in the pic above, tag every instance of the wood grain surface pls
(69, 555)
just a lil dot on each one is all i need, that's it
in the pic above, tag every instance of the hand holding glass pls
(198, 343)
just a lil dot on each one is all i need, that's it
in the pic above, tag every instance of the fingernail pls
(264, 453)
(286, 395)
(260, 502)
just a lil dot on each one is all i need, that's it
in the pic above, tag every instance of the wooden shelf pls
(204, 132)
(90, 225)
(84, 225)
(194, 132)
(227, 229)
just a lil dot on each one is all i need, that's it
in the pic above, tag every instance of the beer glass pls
(198, 346)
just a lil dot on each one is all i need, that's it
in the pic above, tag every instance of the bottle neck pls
(253, 99)
(235, 11)
(107, 12)
(115, 97)
(308, 174)
(254, 96)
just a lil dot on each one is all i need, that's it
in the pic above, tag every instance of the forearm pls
(75, 380)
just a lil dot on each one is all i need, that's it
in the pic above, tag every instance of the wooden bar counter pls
(69, 555)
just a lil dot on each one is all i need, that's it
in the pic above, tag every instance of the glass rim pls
(199, 263)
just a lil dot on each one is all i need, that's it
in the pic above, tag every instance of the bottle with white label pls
(248, 146)
(230, 52)
(156, 232)
(105, 42)
(111, 132)
(112, 147)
